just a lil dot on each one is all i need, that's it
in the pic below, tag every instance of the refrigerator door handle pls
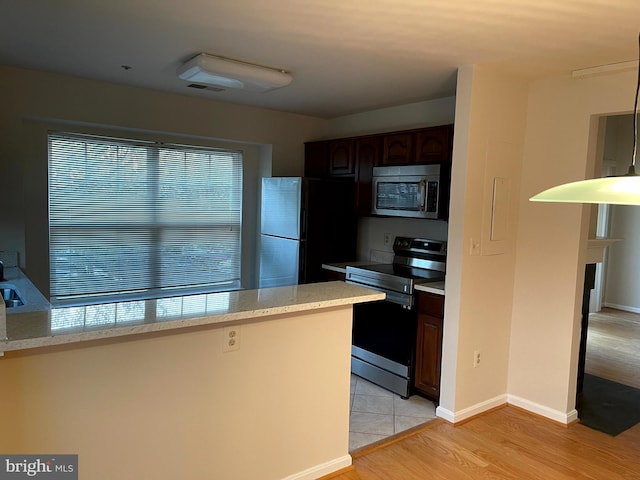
(303, 224)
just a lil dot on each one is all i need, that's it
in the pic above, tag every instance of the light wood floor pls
(613, 346)
(507, 443)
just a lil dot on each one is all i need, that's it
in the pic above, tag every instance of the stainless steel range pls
(384, 333)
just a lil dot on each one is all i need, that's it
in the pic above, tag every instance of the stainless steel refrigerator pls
(305, 222)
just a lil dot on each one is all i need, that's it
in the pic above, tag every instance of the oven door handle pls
(403, 299)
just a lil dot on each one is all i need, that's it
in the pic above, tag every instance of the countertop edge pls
(325, 297)
(341, 267)
(436, 287)
(334, 268)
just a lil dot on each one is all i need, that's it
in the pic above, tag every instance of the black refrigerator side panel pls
(328, 226)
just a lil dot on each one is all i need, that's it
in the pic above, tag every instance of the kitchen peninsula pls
(156, 390)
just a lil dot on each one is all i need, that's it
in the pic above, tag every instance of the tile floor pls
(377, 413)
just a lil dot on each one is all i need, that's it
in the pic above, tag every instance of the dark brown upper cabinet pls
(397, 149)
(368, 152)
(342, 157)
(315, 159)
(433, 145)
(353, 158)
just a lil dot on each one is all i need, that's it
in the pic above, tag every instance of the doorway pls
(608, 385)
(610, 398)
(617, 278)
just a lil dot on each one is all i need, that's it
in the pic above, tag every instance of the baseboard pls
(624, 308)
(563, 417)
(448, 415)
(459, 416)
(472, 411)
(322, 469)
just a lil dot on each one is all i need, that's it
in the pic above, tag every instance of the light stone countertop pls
(341, 267)
(432, 287)
(33, 299)
(58, 326)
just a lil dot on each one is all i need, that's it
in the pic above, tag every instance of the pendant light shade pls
(613, 190)
(616, 190)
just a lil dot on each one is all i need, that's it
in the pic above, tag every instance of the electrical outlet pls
(474, 246)
(476, 358)
(387, 238)
(231, 339)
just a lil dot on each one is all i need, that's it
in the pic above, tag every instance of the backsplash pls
(372, 232)
(9, 259)
(378, 256)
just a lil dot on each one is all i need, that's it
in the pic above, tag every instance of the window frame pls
(162, 291)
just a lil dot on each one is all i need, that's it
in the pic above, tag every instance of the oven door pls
(383, 345)
(366, 278)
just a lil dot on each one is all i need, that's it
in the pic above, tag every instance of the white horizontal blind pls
(141, 219)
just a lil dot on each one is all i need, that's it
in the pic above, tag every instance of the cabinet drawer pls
(431, 304)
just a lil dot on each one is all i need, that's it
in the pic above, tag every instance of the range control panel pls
(407, 245)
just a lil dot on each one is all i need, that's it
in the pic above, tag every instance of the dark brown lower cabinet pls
(332, 275)
(429, 345)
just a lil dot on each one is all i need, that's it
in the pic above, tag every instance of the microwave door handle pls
(422, 195)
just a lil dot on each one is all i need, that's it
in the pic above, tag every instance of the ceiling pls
(346, 56)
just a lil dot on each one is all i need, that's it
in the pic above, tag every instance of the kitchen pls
(34, 196)
(438, 198)
(400, 174)
(49, 102)
(490, 306)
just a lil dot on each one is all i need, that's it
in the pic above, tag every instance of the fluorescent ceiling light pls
(227, 73)
(616, 190)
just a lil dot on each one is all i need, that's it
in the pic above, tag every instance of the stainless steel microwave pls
(406, 191)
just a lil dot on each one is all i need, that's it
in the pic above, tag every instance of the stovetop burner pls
(416, 274)
(416, 261)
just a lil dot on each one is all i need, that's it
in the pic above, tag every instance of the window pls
(132, 219)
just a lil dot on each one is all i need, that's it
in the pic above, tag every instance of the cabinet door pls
(316, 156)
(397, 149)
(433, 145)
(428, 356)
(367, 156)
(341, 157)
(429, 345)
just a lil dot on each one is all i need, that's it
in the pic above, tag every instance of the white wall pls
(34, 101)
(372, 232)
(489, 133)
(622, 289)
(402, 117)
(622, 282)
(562, 123)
